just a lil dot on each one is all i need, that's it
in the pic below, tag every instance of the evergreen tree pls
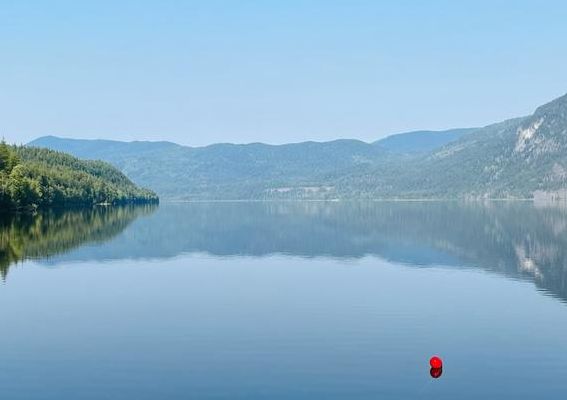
(33, 177)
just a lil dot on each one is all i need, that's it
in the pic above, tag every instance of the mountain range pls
(519, 158)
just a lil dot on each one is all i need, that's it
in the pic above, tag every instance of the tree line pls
(32, 178)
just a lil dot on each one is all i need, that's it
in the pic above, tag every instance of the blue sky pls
(200, 72)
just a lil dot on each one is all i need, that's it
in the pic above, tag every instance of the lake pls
(291, 300)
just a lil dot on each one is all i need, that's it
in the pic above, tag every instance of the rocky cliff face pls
(541, 145)
(515, 158)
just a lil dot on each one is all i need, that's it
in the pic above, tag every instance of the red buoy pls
(436, 362)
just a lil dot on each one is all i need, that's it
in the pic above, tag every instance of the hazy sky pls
(198, 72)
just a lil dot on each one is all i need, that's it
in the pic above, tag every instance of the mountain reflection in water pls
(40, 236)
(519, 240)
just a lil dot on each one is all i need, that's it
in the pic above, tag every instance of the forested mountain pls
(230, 171)
(468, 167)
(227, 170)
(522, 157)
(519, 158)
(33, 177)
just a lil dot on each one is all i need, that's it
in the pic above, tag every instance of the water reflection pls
(519, 240)
(436, 372)
(54, 232)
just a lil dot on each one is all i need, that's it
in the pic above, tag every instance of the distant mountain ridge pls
(517, 158)
(244, 170)
(421, 141)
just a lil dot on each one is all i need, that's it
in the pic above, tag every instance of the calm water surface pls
(285, 301)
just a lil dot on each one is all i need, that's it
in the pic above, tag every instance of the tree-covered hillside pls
(248, 171)
(36, 178)
(519, 158)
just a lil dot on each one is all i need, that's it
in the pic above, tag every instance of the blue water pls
(289, 301)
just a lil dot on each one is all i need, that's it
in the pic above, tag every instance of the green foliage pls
(8, 158)
(33, 178)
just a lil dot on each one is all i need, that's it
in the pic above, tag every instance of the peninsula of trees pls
(32, 178)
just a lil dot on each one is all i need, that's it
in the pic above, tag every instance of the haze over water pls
(285, 301)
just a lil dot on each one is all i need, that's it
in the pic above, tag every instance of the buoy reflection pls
(436, 372)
